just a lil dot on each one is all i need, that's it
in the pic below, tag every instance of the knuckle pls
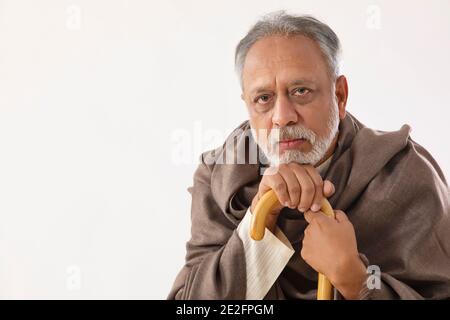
(293, 164)
(279, 187)
(308, 189)
(297, 166)
(303, 253)
(295, 190)
(319, 184)
(261, 189)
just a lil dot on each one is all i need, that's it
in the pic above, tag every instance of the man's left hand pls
(329, 247)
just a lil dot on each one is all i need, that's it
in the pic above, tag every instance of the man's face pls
(287, 86)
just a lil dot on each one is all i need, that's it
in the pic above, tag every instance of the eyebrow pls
(302, 81)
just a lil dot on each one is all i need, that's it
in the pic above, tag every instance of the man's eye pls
(263, 99)
(301, 91)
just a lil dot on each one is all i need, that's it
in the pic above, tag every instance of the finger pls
(293, 185)
(306, 231)
(265, 184)
(340, 216)
(319, 217)
(328, 188)
(309, 216)
(306, 186)
(278, 185)
(318, 186)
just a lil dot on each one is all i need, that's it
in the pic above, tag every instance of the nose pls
(284, 113)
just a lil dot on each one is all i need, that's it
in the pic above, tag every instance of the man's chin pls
(289, 156)
(298, 152)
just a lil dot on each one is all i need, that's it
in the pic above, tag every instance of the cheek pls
(260, 121)
(317, 121)
(260, 127)
(314, 120)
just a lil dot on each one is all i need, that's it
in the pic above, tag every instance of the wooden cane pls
(258, 225)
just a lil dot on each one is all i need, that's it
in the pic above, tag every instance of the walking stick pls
(258, 224)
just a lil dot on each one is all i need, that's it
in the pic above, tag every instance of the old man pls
(390, 197)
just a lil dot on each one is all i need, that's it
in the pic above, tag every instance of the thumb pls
(308, 215)
(328, 188)
(340, 216)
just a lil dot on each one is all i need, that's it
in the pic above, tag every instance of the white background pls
(94, 97)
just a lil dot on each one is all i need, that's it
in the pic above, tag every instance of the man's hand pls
(296, 186)
(329, 247)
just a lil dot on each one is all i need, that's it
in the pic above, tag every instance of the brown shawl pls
(390, 187)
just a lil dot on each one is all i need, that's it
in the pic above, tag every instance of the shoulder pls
(395, 163)
(416, 177)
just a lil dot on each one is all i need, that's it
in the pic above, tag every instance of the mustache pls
(290, 133)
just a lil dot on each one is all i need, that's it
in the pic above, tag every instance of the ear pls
(341, 93)
(242, 96)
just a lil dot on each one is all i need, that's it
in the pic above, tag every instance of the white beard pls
(269, 145)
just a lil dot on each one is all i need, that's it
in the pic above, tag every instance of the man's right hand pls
(296, 186)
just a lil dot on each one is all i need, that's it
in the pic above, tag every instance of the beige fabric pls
(264, 260)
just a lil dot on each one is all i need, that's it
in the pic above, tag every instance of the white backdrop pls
(98, 97)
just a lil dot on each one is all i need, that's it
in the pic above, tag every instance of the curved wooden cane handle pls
(258, 225)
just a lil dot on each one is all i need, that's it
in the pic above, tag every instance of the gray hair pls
(281, 23)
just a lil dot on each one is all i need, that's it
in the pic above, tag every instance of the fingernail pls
(287, 204)
(302, 209)
(315, 207)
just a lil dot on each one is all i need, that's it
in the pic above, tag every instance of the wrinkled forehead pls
(279, 59)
